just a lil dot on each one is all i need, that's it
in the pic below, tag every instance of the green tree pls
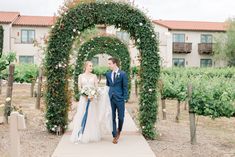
(230, 45)
(224, 47)
(6, 60)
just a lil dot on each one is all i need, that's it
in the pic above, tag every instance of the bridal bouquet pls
(90, 92)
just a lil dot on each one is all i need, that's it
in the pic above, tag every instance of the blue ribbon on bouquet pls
(83, 125)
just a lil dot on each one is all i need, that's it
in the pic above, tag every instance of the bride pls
(93, 118)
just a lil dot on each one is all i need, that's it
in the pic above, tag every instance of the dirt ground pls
(35, 140)
(215, 138)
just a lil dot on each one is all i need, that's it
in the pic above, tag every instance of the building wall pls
(192, 59)
(165, 45)
(103, 59)
(6, 38)
(28, 49)
(12, 42)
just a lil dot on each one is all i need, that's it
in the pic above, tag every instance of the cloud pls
(31, 7)
(209, 10)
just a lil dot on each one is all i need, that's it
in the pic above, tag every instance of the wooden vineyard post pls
(32, 88)
(39, 89)
(9, 92)
(164, 108)
(0, 84)
(185, 104)
(177, 118)
(191, 116)
(163, 101)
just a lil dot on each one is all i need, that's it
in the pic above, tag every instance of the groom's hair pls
(115, 61)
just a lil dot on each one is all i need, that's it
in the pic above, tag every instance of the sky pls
(190, 10)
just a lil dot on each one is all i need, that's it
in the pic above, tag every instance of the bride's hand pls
(91, 98)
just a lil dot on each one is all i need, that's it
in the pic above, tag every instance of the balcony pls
(180, 47)
(205, 48)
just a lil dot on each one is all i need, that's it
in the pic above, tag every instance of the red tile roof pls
(8, 17)
(34, 21)
(192, 25)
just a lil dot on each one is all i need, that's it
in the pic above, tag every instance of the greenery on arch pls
(101, 45)
(69, 26)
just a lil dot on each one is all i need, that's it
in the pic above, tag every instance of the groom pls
(118, 93)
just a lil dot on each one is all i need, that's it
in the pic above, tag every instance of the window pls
(26, 59)
(206, 63)
(95, 61)
(206, 38)
(179, 62)
(179, 38)
(123, 36)
(27, 36)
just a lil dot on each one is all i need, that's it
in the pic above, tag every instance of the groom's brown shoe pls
(115, 140)
(118, 135)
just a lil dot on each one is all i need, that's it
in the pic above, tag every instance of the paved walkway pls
(131, 144)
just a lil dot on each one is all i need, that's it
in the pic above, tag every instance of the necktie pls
(114, 76)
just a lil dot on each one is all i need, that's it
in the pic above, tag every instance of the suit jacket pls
(118, 89)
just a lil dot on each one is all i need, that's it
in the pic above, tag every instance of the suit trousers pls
(118, 107)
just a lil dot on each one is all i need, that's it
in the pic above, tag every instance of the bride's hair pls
(85, 65)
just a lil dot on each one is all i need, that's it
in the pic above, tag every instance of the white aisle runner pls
(131, 144)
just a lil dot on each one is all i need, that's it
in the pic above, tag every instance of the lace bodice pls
(87, 81)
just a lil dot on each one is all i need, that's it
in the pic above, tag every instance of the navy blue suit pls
(118, 93)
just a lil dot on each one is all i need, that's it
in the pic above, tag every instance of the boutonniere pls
(118, 75)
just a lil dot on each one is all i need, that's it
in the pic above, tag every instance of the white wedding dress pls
(99, 118)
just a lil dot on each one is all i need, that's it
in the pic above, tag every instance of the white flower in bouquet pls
(93, 92)
(82, 91)
(89, 92)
